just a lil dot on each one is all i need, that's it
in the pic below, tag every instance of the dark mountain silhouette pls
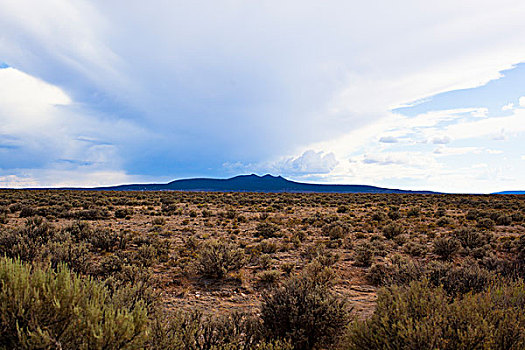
(251, 183)
(510, 192)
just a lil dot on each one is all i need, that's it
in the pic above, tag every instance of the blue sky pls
(406, 94)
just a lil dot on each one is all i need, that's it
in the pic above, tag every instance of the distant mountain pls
(251, 183)
(510, 192)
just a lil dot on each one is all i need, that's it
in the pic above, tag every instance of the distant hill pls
(250, 183)
(510, 192)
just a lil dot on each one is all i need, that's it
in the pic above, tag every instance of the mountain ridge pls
(510, 192)
(249, 183)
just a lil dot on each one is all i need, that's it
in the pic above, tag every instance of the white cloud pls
(454, 151)
(496, 126)
(14, 181)
(441, 140)
(64, 178)
(27, 102)
(40, 126)
(409, 159)
(310, 162)
(388, 139)
(508, 107)
(522, 101)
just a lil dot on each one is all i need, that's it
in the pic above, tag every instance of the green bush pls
(217, 258)
(269, 277)
(379, 216)
(413, 212)
(396, 270)
(45, 309)
(504, 220)
(363, 255)
(304, 310)
(486, 223)
(28, 241)
(75, 256)
(423, 317)
(336, 230)
(103, 239)
(267, 230)
(196, 331)
(318, 252)
(446, 247)
(122, 213)
(27, 212)
(443, 221)
(471, 239)
(4, 219)
(394, 214)
(462, 279)
(414, 248)
(392, 230)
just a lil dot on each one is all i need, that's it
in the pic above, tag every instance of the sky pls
(408, 94)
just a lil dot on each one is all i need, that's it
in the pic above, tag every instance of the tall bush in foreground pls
(423, 317)
(43, 309)
(196, 331)
(305, 311)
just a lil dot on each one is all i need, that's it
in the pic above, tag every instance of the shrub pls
(90, 214)
(470, 238)
(504, 220)
(518, 217)
(103, 239)
(122, 213)
(424, 317)
(304, 310)
(267, 230)
(379, 216)
(520, 255)
(443, 221)
(47, 309)
(462, 279)
(217, 258)
(396, 270)
(413, 212)
(336, 230)
(392, 230)
(27, 212)
(318, 252)
(79, 230)
(440, 212)
(196, 331)
(159, 221)
(445, 247)
(269, 277)
(363, 255)
(472, 215)
(75, 256)
(486, 223)
(394, 214)
(28, 241)
(268, 246)
(13, 208)
(415, 249)
(342, 209)
(3, 218)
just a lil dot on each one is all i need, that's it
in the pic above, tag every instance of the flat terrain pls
(165, 239)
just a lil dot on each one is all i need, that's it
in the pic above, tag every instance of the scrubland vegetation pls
(176, 270)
